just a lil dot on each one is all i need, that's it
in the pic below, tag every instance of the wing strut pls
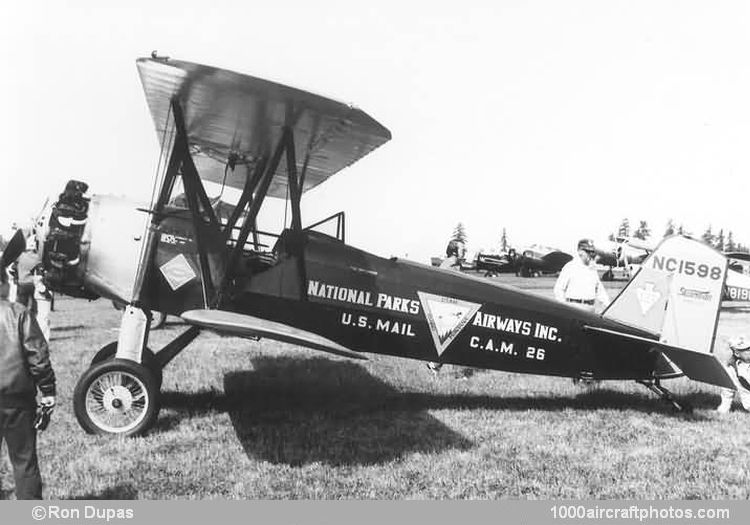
(251, 183)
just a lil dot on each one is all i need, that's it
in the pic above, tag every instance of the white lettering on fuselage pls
(517, 326)
(362, 297)
(338, 293)
(503, 324)
(736, 293)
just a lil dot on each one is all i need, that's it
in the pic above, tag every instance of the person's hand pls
(48, 401)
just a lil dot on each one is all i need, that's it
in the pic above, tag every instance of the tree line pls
(722, 240)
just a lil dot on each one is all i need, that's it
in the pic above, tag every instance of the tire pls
(116, 397)
(108, 352)
(157, 319)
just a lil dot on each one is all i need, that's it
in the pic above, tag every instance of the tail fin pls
(676, 295)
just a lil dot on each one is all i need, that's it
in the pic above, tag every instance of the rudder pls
(676, 295)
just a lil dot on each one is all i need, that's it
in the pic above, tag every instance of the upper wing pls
(249, 326)
(230, 114)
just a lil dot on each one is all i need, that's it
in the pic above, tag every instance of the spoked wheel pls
(149, 360)
(116, 396)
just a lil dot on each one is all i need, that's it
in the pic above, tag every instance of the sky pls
(554, 120)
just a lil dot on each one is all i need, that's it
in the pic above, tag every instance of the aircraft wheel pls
(149, 360)
(118, 397)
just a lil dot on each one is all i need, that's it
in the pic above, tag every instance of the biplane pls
(223, 129)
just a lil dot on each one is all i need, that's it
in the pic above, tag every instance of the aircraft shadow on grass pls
(297, 412)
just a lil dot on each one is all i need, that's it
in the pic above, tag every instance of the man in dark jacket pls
(24, 368)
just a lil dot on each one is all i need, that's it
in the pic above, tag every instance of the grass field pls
(243, 419)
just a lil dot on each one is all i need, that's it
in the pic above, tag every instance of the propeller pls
(15, 247)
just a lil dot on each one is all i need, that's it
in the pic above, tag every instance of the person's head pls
(586, 251)
(739, 343)
(455, 249)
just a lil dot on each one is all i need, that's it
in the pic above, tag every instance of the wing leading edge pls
(242, 325)
(229, 114)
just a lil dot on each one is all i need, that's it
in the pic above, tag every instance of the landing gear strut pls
(655, 386)
(119, 393)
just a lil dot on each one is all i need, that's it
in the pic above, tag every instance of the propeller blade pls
(16, 246)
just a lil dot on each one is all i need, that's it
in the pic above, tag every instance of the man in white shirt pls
(579, 283)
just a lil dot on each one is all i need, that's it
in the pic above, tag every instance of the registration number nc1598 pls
(672, 264)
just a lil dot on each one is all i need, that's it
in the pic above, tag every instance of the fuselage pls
(364, 302)
(389, 306)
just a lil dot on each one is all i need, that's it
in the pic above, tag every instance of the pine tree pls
(459, 233)
(708, 236)
(729, 243)
(504, 241)
(624, 229)
(719, 241)
(643, 232)
(670, 228)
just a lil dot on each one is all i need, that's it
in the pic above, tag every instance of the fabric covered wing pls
(228, 113)
(242, 325)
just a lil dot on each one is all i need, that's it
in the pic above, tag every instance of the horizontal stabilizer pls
(242, 325)
(697, 366)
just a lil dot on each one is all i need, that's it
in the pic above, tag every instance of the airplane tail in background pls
(676, 295)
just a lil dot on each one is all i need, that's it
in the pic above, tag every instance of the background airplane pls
(737, 290)
(532, 261)
(493, 263)
(537, 260)
(620, 255)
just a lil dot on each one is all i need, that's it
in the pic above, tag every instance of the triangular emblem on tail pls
(446, 316)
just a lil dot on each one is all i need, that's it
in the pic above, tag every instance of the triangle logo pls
(648, 296)
(446, 317)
